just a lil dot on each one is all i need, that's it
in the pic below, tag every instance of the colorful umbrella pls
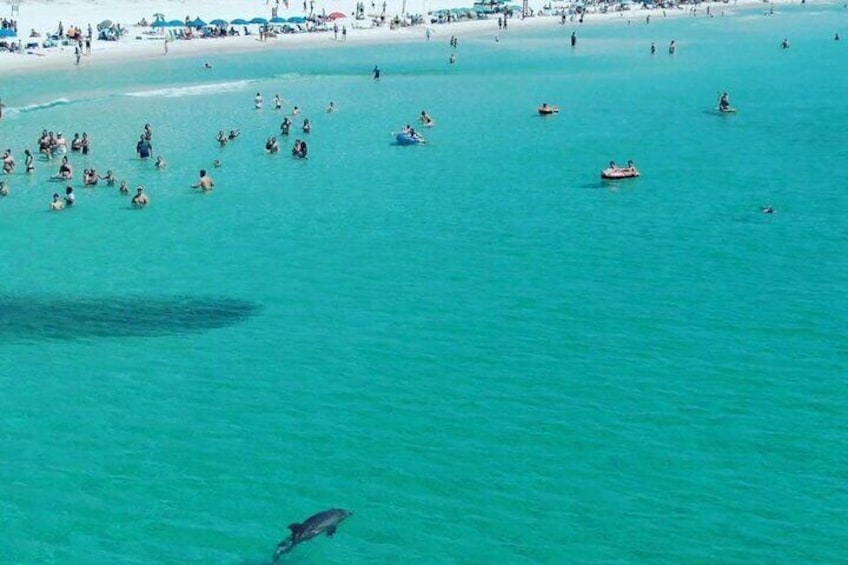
(336, 16)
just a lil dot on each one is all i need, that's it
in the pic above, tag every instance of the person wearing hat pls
(140, 198)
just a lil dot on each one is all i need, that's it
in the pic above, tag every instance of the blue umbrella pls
(262, 21)
(5, 32)
(198, 23)
(219, 22)
(176, 23)
(160, 23)
(296, 20)
(277, 20)
(239, 22)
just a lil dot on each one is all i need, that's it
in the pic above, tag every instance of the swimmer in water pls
(70, 199)
(56, 204)
(207, 66)
(234, 133)
(29, 161)
(271, 145)
(278, 102)
(331, 107)
(124, 188)
(4, 190)
(160, 162)
(766, 209)
(140, 200)
(222, 138)
(307, 127)
(205, 183)
(295, 111)
(216, 163)
(257, 101)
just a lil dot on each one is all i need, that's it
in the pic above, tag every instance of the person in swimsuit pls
(205, 183)
(29, 161)
(56, 204)
(143, 148)
(139, 200)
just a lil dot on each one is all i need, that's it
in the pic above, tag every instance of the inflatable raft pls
(404, 138)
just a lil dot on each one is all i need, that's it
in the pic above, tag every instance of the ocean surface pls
(479, 348)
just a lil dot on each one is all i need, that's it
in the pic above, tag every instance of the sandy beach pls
(142, 42)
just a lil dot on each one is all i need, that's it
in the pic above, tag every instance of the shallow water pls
(478, 347)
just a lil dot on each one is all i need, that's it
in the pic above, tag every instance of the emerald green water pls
(475, 345)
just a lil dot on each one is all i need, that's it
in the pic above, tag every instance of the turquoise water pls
(483, 351)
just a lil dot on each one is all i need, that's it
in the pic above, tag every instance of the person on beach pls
(257, 102)
(144, 149)
(139, 200)
(573, 38)
(29, 161)
(77, 55)
(205, 183)
(56, 204)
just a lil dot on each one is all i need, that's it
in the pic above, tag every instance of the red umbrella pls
(336, 16)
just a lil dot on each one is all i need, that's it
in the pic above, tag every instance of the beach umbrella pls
(198, 23)
(176, 23)
(159, 16)
(336, 16)
(296, 20)
(5, 32)
(219, 22)
(239, 22)
(261, 21)
(277, 20)
(104, 24)
(159, 23)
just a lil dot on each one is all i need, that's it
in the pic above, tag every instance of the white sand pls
(44, 16)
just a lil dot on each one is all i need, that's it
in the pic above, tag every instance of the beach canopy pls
(277, 20)
(336, 16)
(176, 23)
(296, 20)
(219, 22)
(5, 32)
(239, 22)
(262, 21)
(198, 23)
(159, 23)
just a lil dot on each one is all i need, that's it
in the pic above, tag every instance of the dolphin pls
(323, 522)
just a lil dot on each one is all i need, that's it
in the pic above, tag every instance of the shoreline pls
(139, 44)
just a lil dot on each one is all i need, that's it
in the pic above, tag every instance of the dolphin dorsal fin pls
(296, 529)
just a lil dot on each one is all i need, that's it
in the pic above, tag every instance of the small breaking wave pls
(196, 90)
(12, 111)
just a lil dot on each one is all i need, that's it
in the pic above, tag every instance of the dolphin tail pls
(283, 547)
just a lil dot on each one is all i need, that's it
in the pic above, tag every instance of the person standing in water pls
(257, 102)
(205, 183)
(671, 47)
(653, 48)
(573, 38)
(376, 72)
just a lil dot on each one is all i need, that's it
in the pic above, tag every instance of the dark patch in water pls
(130, 316)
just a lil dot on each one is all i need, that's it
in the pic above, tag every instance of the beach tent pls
(261, 21)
